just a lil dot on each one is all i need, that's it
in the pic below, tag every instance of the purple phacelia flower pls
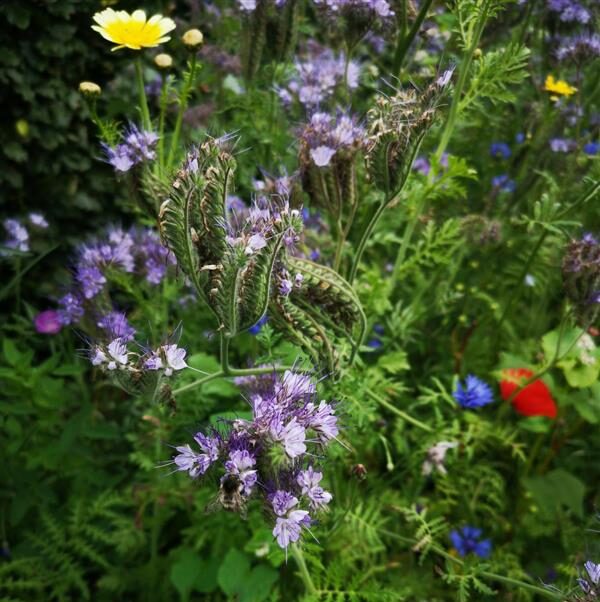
(112, 357)
(309, 480)
(38, 220)
(91, 280)
(241, 464)
(70, 309)
(169, 358)
(137, 146)
(289, 522)
(18, 236)
(116, 326)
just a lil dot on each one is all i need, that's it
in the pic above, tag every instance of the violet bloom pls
(570, 11)
(70, 309)
(241, 464)
(115, 324)
(322, 155)
(38, 220)
(289, 523)
(48, 322)
(18, 236)
(591, 585)
(309, 481)
(171, 358)
(561, 145)
(194, 463)
(323, 420)
(319, 72)
(579, 48)
(137, 146)
(112, 357)
(91, 280)
(292, 436)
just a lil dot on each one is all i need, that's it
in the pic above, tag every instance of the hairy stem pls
(404, 41)
(395, 410)
(304, 574)
(183, 101)
(465, 66)
(142, 93)
(364, 238)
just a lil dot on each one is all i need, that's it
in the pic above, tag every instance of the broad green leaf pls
(556, 489)
(185, 571)
(233, 572)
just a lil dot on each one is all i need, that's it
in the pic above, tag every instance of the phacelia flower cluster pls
(570, 11)
(137, 251)
(326, 137)
(137, 147)
(318, 73)
(378, 8)
(17, 238)
(272, 456)
(118, 355)
(590, 583)
(581, 276)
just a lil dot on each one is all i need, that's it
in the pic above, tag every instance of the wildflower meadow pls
(300, 300)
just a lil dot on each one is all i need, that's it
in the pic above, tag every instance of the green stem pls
(183, 100)
(142, 93)
(395, 410)
(224, 354)
(460, 84)
(404, 41)
(364, 238)
(408, 233)
(161, 122)
(515, 294)
(304, 574)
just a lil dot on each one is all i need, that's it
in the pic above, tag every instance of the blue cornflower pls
(258, 326)
(467, 540)
(520, 138)
(592, 148)
(474, 394)
(504, 183)
(374, 343)
(500, 150)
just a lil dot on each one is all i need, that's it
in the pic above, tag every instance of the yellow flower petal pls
(133, 31)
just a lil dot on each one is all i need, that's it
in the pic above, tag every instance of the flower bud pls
(163, 61)
(477, 53)
(89, 88)
(22, 127)
(192, 38)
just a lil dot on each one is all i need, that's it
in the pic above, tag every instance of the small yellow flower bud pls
(89, 88)
(192, 38)
(163, 61)
(22, 128)
(477, 53)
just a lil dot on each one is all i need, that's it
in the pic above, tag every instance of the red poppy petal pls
(534, 400)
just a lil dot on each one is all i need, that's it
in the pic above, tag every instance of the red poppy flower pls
(533, 400)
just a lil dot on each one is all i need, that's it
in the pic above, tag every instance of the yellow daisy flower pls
(560, 87)
(132, 31)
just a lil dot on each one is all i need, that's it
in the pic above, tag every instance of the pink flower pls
(48, 322)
